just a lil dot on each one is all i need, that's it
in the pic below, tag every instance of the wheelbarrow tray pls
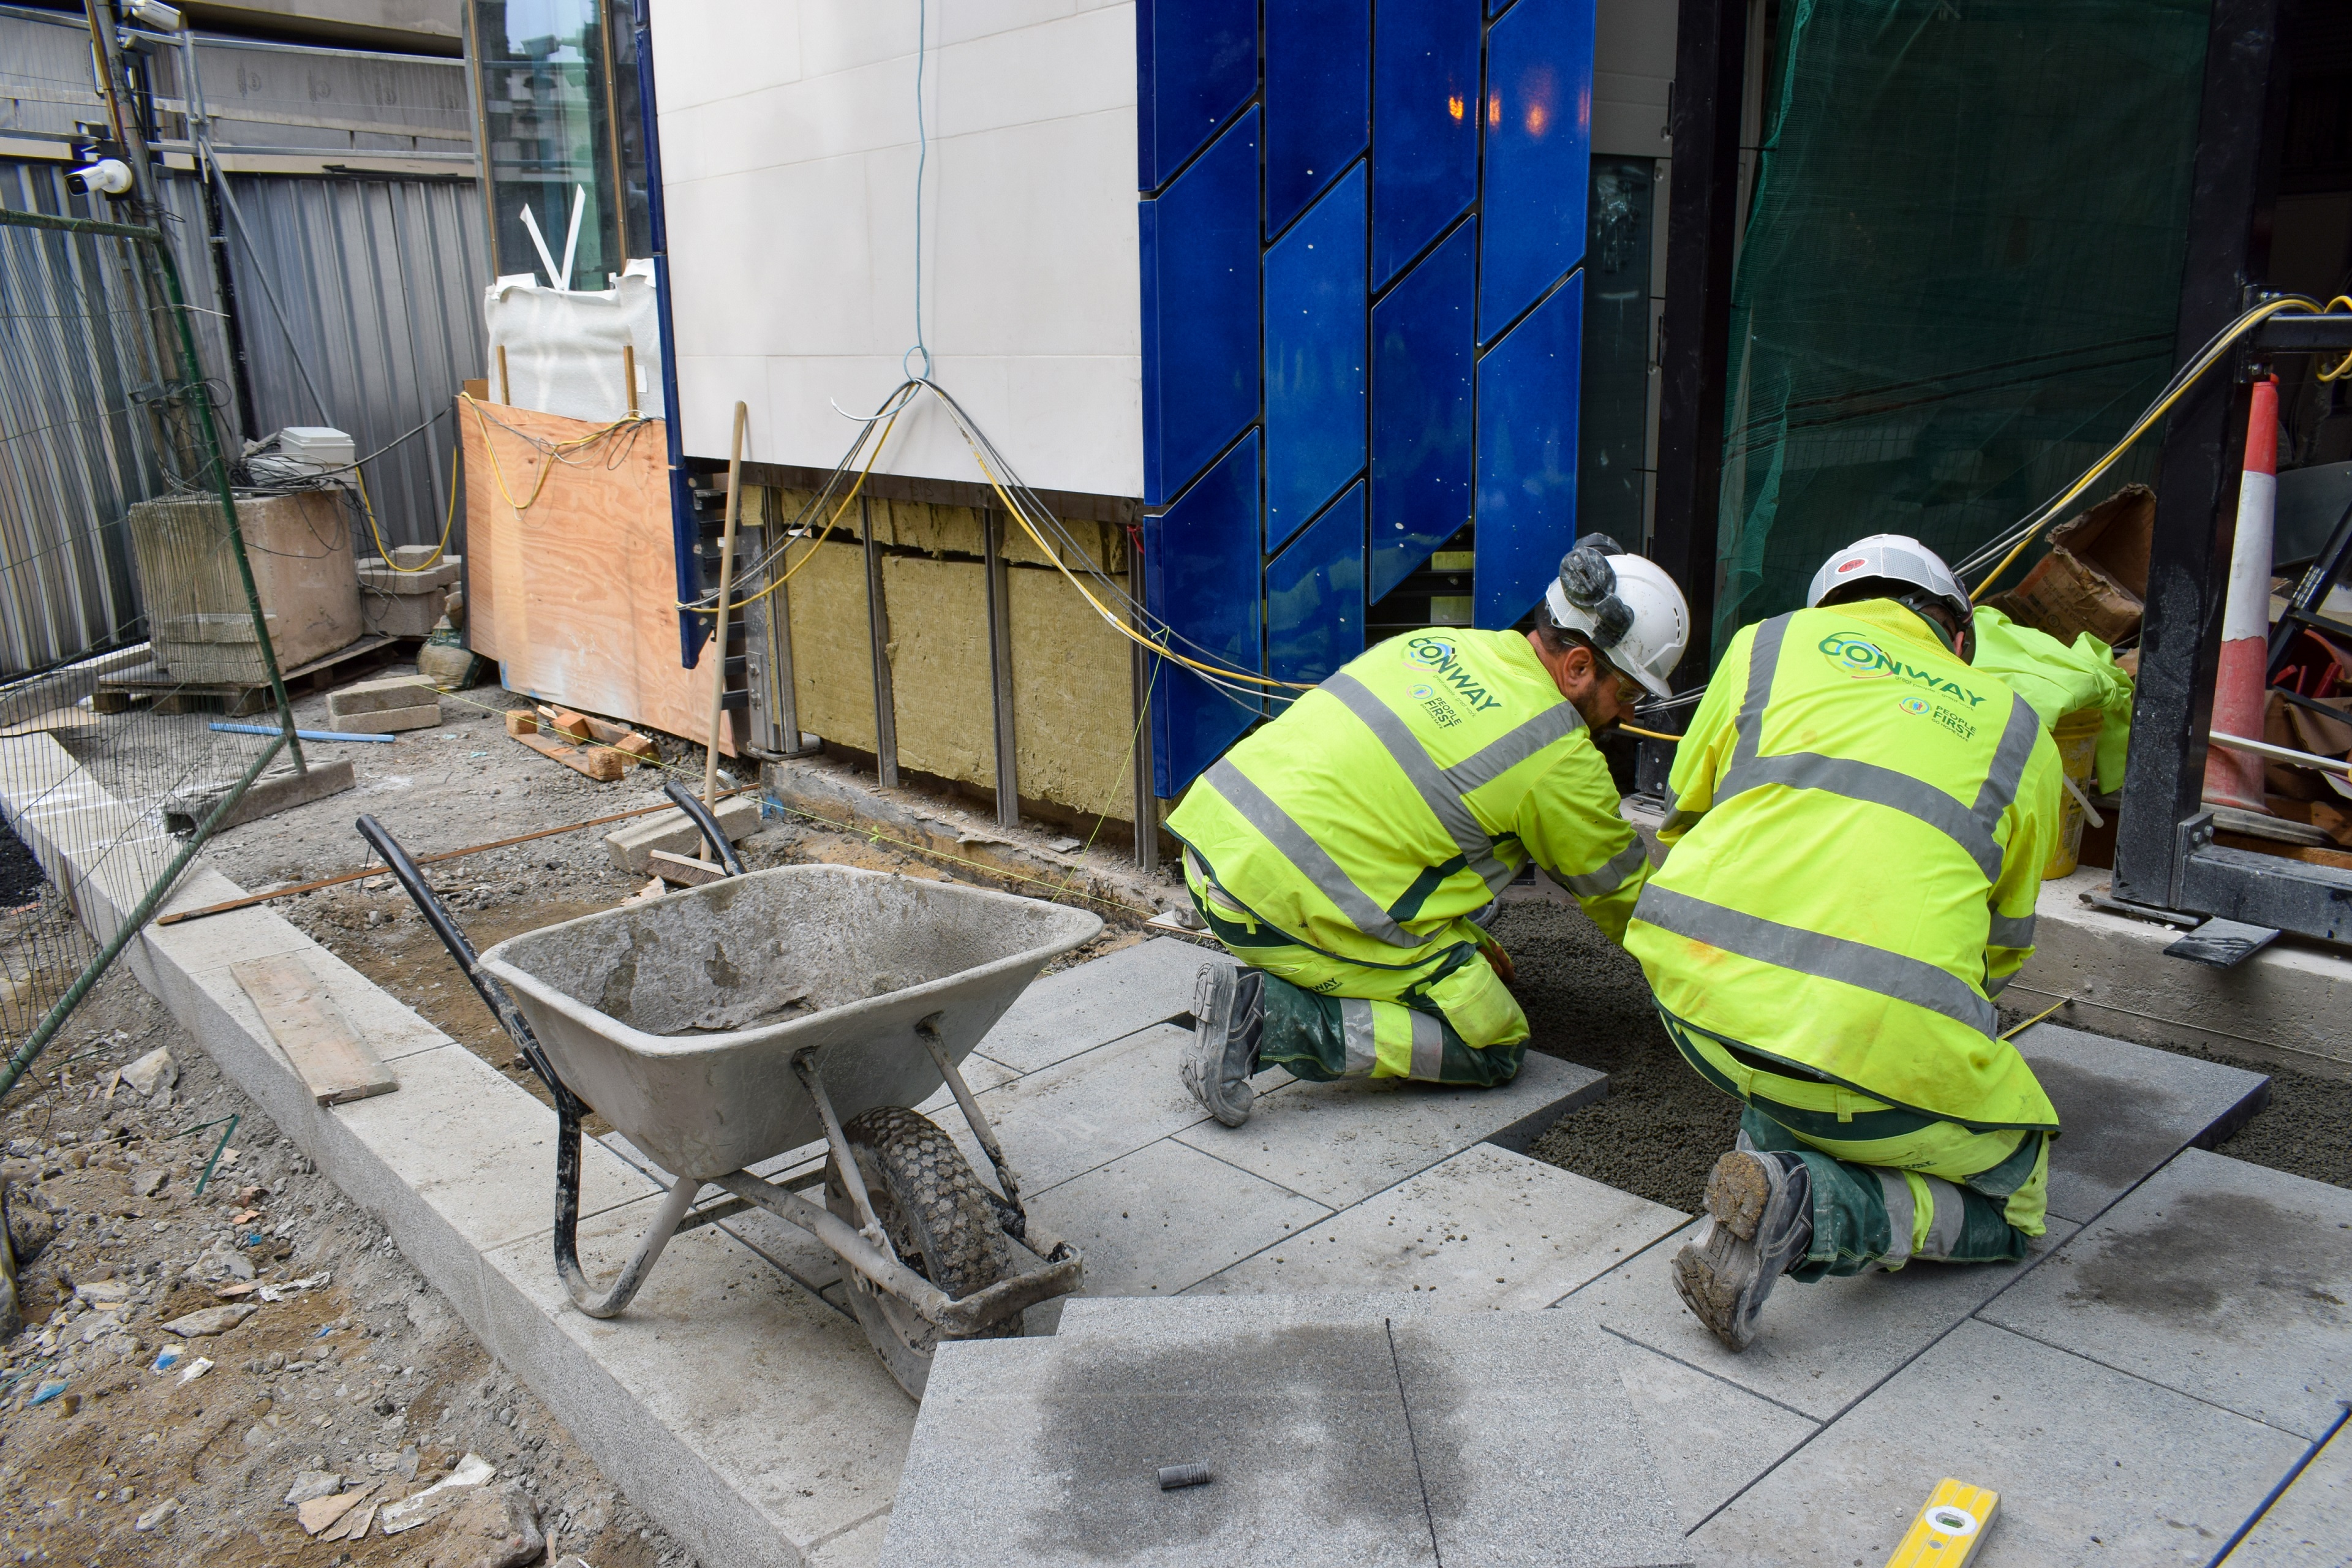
(679, 1019)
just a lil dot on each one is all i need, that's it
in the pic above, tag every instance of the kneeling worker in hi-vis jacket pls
(1856, 829)
(1349, 852)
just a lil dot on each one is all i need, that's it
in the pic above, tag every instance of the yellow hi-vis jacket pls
(1857, 827)
(1404, 792)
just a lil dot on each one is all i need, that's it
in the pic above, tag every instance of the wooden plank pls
(522, 721)
(325, 1049)
(685, 872)
(576, 593)
(598, 762)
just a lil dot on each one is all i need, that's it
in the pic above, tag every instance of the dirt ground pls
(369, 1376)
(1662, 1126)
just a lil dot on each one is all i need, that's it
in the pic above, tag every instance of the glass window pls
(551, 94)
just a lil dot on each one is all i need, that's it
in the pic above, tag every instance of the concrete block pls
(1092, 1004)
(2123, 1110)
(754, 1421)
(432, 582)
(1530, 1451)
(389, 720)
(2311, 1522)
(1340, 1142)
(2287, 1003)
(632, 842)
(1090, 1110)
(1159, 1219)
(1046, 1450)
(2092, 1466)
(272, 793)
(1824, 1345)
(399, 615)
(1484, 1228)
(380, 695)
(1709, 1438)
(2224, 1281)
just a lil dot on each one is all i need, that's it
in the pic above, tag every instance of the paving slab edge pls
(661, 1474)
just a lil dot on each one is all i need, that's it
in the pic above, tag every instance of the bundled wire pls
(2004, 550)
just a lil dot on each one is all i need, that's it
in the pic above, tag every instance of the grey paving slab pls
(1092, 1004)
(1155, 1316)
(1088, 1110)
(2310, 1525)
(1529, 1451)
(1159, 1219)
(1043, 1452)
(1485, 1227)
(2222, 1279)
(2124, 1110)
(1340, 1142)
(2092, 1466)
(1708, 1437)
(794, 1427)
(1824, 1345)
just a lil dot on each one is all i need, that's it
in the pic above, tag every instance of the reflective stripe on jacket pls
(1857, 828)
(1405, 792)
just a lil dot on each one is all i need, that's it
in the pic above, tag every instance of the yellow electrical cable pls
(733, 605)
(447, 523)
(1647, 734)
(553, 450)
(2147, 421)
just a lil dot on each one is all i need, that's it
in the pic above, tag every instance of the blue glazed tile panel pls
(1315, 370)
(1422, 365)
(1196, 62)
(1425, 126)
(1200, 257)
(1539, 139)
(1190, 583)
(1527, 454)
(1315, 597)
(1319, 66)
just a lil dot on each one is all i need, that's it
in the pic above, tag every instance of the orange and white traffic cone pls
(2235, 778)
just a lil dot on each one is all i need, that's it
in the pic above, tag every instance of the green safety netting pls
(1960, 275)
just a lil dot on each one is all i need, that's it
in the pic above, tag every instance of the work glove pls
(1589, 583)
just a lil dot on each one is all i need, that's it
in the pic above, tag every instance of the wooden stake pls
(629, 375)
(506, 391)
(726, 589)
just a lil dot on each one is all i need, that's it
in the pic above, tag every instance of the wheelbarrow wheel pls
(939, 1223)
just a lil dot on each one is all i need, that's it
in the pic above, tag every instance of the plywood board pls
(575, 594)
(334, 1062)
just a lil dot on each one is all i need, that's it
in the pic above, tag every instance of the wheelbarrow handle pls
(712, 833)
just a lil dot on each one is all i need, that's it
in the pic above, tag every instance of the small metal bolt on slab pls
(1174, 1477)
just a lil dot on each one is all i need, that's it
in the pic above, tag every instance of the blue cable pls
(922, 160)
(303, 734)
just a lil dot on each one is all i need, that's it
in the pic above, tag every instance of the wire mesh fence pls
(130, 614)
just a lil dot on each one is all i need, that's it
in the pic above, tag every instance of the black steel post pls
(1702, 222)
(2238, 136)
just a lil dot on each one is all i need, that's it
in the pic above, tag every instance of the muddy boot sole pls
(1717, 1280)
(1739, 1190)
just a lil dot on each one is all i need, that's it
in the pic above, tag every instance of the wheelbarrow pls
(723, 1026)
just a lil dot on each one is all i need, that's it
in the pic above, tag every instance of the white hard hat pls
(1897, 558)
(1646, 610)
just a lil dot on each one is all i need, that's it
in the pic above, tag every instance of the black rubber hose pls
(712, 833)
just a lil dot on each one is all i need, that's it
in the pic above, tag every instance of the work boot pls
(1229, 1013)
(1759, 1219)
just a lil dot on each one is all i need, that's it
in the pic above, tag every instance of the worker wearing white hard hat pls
(1348, 852)
(1858, 826)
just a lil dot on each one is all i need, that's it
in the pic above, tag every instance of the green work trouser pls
(1889, 1184)
(1444, 1017)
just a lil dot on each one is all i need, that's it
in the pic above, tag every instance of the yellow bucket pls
(2077, 735)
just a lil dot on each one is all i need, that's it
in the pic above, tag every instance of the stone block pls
(1340, 1142)
(1708, 1437)
(389, 720)
(380, 695)
(1159, 1219)
(2224, 1281)
(2092, 1466)
(1091, 1108)
(1484, 1228)
(1046, 1451)
(751, 1419)
(1092, 1004)
(2124, 1110)
(1824, 1345)
(632, 843)
(1528, 1448)
(399, 615)
(2311, 1521)
(431, 583)
(272, 793)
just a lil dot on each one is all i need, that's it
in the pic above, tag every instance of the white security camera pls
(105, 177)
(154, 15)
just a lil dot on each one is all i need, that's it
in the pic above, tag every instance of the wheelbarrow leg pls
(611, 1302)
(1017, 1220)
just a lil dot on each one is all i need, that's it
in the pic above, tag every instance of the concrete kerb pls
(479, 1235)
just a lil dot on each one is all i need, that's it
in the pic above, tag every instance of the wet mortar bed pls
(1660, 1128)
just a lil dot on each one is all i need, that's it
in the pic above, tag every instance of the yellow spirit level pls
(1948, 1530)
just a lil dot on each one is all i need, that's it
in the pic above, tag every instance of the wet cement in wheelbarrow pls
(1660, 1127)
